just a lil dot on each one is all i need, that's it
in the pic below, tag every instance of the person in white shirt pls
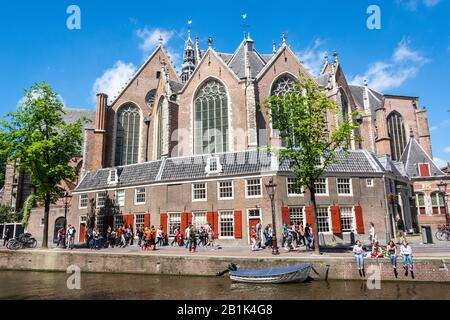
(359, 252)
(372, 233)
(186, 236)
(406, 253)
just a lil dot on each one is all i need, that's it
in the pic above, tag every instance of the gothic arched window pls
(396, 130)
(127, 134)
(283, 86)
(211, 119)
(150, 98)
(344, 106)
(161, 120)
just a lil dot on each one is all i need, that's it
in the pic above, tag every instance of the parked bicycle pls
(443, 233)
(23, 241)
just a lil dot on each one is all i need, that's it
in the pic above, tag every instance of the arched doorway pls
(59, 223)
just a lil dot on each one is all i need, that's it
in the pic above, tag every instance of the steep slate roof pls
(71, 115)
(414, 154)
(250, 162)
(175, 86)
(375, 98)
(136, 174)
(322, 80)
(236, 61)
(395, 167)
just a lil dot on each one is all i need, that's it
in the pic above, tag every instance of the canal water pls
(48, 286)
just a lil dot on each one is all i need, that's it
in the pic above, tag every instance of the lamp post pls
(66, 197)
(443, 189)
(271, 188)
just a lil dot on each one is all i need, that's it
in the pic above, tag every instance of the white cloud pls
(443, 124)
(113, 80)
(151, 38)
(441, 163)
(404, 64)
(447, 150)
(412, 5)
(313, 57)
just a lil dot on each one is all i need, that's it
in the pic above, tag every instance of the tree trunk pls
(316, 225)
(46, 215)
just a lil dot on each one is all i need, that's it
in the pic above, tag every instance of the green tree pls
(8, 215)
(300, 118)
(37, 135)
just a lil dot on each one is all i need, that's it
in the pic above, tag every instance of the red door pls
(251, 224)
(82, 232)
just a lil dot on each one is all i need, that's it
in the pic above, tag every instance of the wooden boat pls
(274, 275)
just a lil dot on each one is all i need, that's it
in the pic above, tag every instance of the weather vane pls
(244, 25)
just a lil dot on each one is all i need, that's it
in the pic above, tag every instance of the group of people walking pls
(294, 236)
(66, 237)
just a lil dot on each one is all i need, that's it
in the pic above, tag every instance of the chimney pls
(100, 113)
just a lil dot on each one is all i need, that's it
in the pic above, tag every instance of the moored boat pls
(273, 275)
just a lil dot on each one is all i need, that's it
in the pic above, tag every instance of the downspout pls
(386, 216)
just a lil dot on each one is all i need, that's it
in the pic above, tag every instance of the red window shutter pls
(335, 219)
(424, 169)
(163, 219)
(238, 224)
(184, 222)
(189, 218)
(147, 220)
(359, 220)
(210, 218)
(309, 216)
(286, 219)
(128, 220)
(216, 224)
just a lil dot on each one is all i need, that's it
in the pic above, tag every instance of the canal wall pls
(432, 269)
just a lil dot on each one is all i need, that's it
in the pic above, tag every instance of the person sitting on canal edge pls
(358, 250)
(391, 253)
(406, 253)
(377, 250)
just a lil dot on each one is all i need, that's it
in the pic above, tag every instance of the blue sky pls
(409, 55)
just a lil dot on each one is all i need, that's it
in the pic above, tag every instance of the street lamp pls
(271, 188)
(443, 190)
(66, 197)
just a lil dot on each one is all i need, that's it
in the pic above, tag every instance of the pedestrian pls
(254, 241)
(308, 237)
(160, 236)
(284, 233)
(301, 234)
(372, 233)
(257, 229)
(176, 238)
(90, 237)
(267, 236)
(400, 229)
(71, 237)
(147, 238)
(61, 237)
(123, 238)
(113, 238)
(391, 253)
(95, 237)
(406, 253)
(153, 237)
(211, 236)
(192, 238)
(6, 237)
(187, 233)
(358, 250)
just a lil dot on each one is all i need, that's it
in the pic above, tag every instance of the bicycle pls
(23, 241)
(443, 233)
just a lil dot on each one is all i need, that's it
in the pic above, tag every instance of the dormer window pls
(424, 169)
(113, 178)
(213, 165)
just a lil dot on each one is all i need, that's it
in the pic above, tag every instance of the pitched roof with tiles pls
(375, 98)
(415, 154)
(234, 164)
(71, 115)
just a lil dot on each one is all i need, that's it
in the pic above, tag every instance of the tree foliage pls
(44, 144)
(300, 118)
(9, 215)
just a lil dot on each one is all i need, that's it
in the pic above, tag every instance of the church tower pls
(189, 59)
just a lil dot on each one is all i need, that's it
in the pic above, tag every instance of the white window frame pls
(353, 219)
(327, 188)
(97, 218)
(208, 165)
(330, 227)
(114, 221)
(117, 198)
(206, 192)
(169, 215)
(202, 213)
(80, 200)
(303, 213)
(219, 187)
(246, 189)
(371, 184)
(135, 221)
(97, 205)
(350, 181)
(302, 190)
(232, 223)
(116, 178)
(136, 196)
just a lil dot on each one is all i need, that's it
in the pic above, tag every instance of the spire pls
(274, 47)
(198, 53)
(210, 42)
(335, 55)
(189, 57)
(283, 38)
(161, 40)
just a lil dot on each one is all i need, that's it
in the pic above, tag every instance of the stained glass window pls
(396, 129)
(127, 134)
